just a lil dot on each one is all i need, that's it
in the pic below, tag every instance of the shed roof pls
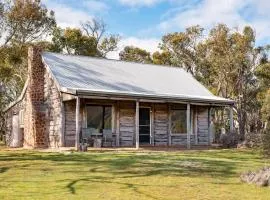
(88, 75)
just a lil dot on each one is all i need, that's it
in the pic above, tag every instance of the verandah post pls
(77, 139)
(137, 124)
(231, 119)
(188, 126)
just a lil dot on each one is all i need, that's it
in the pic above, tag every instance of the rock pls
(260, 178)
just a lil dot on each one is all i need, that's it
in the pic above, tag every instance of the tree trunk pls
(242, 117)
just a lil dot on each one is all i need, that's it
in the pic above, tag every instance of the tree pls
(25, 21)
(162, 58)
(263, 74)
(266, 118)
(135, 54)
(89, 40)
(182, 48)
(72, 41)
(21, 23)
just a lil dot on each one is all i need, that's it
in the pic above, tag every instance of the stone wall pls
(35, 111)
(54, 112)
(41, 104)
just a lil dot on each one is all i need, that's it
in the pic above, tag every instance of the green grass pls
(209, 174)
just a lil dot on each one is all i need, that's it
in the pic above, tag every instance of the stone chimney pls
(35, 113)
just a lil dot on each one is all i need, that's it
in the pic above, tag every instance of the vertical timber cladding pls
(202, 117)
(161, 120)
(70, 123)
(127, 123)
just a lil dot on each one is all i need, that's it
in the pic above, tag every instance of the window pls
(21, 118)
(99, 117)
(178, 121)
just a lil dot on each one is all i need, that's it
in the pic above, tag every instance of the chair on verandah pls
(107, 138)
(87, 136)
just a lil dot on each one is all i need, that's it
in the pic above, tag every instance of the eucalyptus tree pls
(89, 40)
(135, 54)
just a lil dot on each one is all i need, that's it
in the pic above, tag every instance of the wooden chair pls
(107, 138)
(86, 136)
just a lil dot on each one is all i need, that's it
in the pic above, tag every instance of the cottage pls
(68, 99)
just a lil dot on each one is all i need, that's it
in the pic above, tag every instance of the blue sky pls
(143, 22)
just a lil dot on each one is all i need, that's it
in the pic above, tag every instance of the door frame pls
(150, 122)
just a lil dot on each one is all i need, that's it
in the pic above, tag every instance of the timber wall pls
(126, 122)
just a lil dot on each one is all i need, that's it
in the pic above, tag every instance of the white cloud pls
(67, 16)
(138, 3)
(234, 13)
(149, 44)
(206, 14)
(96, 6)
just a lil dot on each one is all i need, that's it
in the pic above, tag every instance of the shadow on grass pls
(124, 166)
(133, 186)
(3, 169)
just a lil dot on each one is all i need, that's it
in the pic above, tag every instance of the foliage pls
(162, 58)
(21, 23)
(135, 54)
(225, 60)
(231, 59)
(72, 41)
(25, 21)
(182, 48)
(266, 141)
(266, 117)
(89, 40)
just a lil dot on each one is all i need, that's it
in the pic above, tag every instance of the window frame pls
(103, 115)
(171, 111)
(21, 118)
(192, 121)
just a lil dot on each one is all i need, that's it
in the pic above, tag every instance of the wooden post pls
(77, 141)
(152, 125)
(188, 125)
(231, 119)
(196, 125)
(137, 124)
(62, 125)
(169, 126)
(209, 128)
(118, 124)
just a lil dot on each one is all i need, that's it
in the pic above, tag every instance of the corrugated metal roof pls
(88, 74)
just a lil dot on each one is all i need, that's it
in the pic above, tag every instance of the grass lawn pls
(209, 174)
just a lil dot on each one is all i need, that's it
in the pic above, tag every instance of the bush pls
(252, 140)
(229, 140)
(266, 141)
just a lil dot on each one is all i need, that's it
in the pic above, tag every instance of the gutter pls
(137, 96)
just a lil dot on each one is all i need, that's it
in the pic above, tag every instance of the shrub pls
(266, 141)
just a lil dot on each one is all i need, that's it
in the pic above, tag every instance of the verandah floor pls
(126, 174)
